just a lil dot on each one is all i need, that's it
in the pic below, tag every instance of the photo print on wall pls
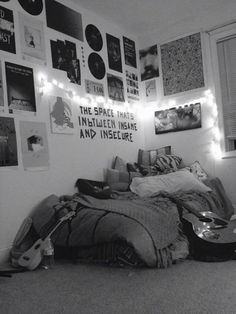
(61, 115)
(182, 65)
(96, 65)
(115, 88)
(93, 37)
(33, 7)
(149, 63)
(94, 88)
(7, 32)
(129, 52)
(178, 119)
(20, 88)
(114, 53)
(132, 85)
(151, 90)
(64, 57)
(32, 39)
(64, 20)
(8, 144)
(34, 145)
(1, 89)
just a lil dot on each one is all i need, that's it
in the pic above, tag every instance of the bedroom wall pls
(70, 155)
(194, 144)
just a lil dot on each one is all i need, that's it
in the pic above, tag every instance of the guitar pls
(33, 256)
(211, 238)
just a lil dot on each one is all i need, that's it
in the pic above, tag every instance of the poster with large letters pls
(7, 32)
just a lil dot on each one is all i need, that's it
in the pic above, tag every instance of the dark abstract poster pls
(64, 20)
(182, 65)
(178, 119)
(8, 145)
(7, 32)
(93, 37)
(115, 87)
(129, 52)
(114, 53)
(33, 7)
(20, 88)
(96, 66)
(149, 63)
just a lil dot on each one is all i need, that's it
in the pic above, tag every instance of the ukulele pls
(33, 256)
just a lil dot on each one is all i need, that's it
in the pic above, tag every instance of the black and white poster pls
(129, 52)
(1, 90)
(115, 88)
(151, 90)
(7, 32)
(132, 85)
(8, 145)
(178, 119)
(64, 57)
(96, 66)
(32, 39)
(33, 7)
(94, 88)
(64, 20)
(114, 53)
(93, 37)
(34, 145)
(149, 64)
(20, 88)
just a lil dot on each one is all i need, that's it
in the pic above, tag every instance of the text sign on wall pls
(106, 124)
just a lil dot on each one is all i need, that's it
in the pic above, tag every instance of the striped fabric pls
(167, 162)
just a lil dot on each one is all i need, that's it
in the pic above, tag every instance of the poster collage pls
(121, 60)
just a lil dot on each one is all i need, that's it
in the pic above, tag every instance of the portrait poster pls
(63, 19)
(61, 115)
(7, 32)
(178, 119)
(1, 90)
(8, 144)
(32, 39)
(20, 88)
(115, 88)
(149, 63)
(132, 85)
(114, 53)
(151, 90)
(34, 145)
(129, 52)
(182, 65)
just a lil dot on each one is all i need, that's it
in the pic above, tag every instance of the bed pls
(137, 226)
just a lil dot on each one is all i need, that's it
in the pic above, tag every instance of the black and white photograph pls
(20, 88)
(32, 39)
(129, 52)
(34, 145)
(115, 88)
(33, 7)
(151, 90)
(94, 88)
(7, 31)
(149, 63)
(1, 89)
(93, 37)
(96, 66)
(132, 85)
(178, 119)
(8, 144)
(114, 53)
(63, 19)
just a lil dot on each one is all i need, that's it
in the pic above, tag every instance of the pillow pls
(197, 170)
(119, 180)
(167, 163)
(148, 157)
(120, 164)
(172, 182)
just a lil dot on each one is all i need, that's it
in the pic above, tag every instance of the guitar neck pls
(52, 231)
(189, 209)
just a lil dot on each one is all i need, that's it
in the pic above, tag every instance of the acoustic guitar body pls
(211, 238)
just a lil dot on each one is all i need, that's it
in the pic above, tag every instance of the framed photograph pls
(178, 119)
(61, 115)
(115, 87)
(20, 88)
(32, 39)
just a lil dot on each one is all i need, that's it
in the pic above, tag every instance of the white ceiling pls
(141, 16)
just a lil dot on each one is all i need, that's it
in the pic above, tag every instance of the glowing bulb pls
(54, 82)
(42, 78)
(61, 85)
(48, 87)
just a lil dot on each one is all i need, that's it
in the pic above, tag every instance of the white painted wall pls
(193, 144)
(70, 156)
